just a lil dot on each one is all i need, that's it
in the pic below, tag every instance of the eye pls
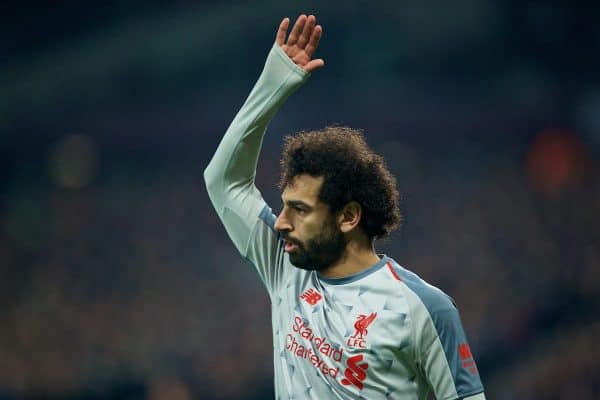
(300, 210)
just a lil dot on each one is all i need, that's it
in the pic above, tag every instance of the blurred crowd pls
(129, 287)
(117, 280)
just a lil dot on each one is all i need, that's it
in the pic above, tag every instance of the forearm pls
(230, 174)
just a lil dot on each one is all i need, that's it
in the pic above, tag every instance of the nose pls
(282, 224)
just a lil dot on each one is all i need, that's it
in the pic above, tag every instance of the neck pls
(358, 256)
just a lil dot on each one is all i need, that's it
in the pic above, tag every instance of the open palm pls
(302, 41)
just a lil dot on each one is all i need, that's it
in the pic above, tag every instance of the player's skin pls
(302, 41)
(303, 215)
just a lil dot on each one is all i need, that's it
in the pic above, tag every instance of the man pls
(347, 323)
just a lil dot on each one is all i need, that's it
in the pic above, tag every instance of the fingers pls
(313, 43)
(283, 27)
(313, 65)
(302, 41)
(306, 32)
(296, 30)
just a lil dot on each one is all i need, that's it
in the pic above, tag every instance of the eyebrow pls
(296, 203)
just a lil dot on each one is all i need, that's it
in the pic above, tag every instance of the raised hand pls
(302, 41)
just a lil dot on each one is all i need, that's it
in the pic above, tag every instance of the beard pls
(320, 252)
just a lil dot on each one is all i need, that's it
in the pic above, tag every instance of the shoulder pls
(433, 299)
(433, 313)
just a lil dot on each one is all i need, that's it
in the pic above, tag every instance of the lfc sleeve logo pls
(359, 339)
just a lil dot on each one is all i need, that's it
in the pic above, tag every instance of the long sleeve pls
(442, 357)
(443, 351)
(230, 174)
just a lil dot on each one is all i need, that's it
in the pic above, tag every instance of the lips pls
(289, 246)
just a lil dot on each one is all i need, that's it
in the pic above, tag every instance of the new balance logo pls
(311, 296)
(355, 373)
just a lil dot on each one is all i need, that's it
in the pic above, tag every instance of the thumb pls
(314, 65)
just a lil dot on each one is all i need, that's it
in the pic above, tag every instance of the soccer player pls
(347, 323)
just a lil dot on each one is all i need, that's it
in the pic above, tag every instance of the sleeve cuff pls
(277, 50)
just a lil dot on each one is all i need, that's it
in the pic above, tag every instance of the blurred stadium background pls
(118, 282)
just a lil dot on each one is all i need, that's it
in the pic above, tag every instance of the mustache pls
(291, 240)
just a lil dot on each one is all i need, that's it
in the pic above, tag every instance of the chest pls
(351, 334)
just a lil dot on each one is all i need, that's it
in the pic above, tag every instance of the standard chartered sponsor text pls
(317, 351)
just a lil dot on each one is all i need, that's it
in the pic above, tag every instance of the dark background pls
(118, 282)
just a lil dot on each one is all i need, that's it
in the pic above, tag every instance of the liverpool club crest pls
(359, 339)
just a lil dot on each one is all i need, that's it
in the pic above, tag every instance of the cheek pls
(310, 228)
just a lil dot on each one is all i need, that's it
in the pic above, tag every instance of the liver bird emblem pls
(362, 323)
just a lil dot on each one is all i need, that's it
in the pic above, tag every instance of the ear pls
(349, 216)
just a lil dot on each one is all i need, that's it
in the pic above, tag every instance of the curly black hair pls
(351, 171)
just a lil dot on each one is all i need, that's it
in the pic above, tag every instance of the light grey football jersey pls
(383, 333)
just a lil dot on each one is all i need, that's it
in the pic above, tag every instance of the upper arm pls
(264, 250)
(249, 223)
(440, 347)
(445, 356)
